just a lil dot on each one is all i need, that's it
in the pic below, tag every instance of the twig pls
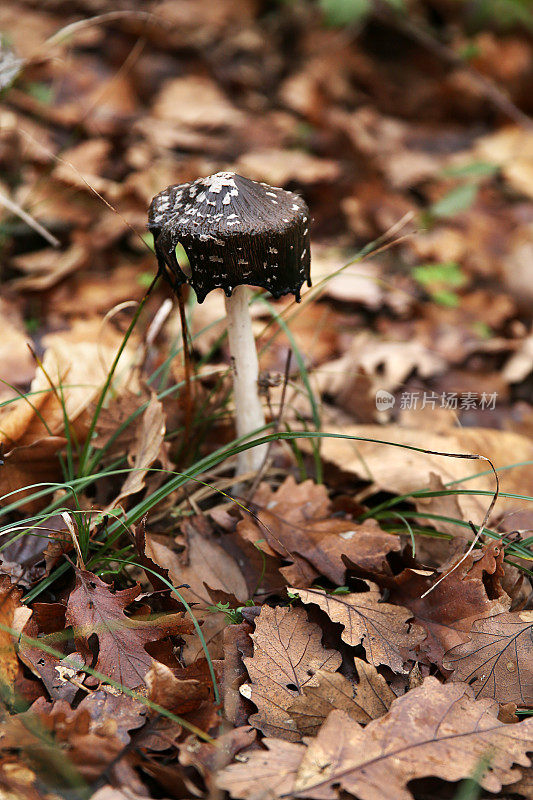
(28, 219)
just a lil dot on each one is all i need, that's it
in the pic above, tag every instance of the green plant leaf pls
(345, 12)
(459, 199)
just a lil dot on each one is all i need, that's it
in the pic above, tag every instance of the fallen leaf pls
(148, 448)
(401, 471)
(13, 615)
(497, 661)
(296, 523)
(434, 730)
(470, 591)
(175, 694)
(265, 774)
(287, 654)
(198, 559)
(368, 699)
(95, 609)
(383, 629)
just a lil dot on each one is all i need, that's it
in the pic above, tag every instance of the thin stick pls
(29, 220)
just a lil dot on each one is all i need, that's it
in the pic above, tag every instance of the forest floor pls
(357, 617)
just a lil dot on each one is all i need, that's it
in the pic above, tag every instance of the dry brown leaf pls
(93, 609)
(199, 559)
(265, 774)
(38, 733)
(433, 730)
(13, 615)
(383, 629)
(497, 661)
(280, 167)
(402, 471)
(47, 267)
(148, 448)
(296, 523)
(177, 695)
(368, 699)
(287, 654)
(195, 102)
(470, 591)
(511, 148)
(16, 360)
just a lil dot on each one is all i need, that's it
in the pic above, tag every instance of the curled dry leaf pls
(433, 730)
(471, 591)
(13, 615)
(497, 661)
(401, 471)
(384, 630)
(94, 609)
(287, 654)
(148, 448)
(198, 561)
(366, 700)
(175, 694)
(296, 523)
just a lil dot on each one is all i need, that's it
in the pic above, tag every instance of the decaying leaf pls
(401, 471)
(295, 522)
(497, 661)
(95, 610)
(149, 447)
(13, 615)
(433, 730)
(383, 629)
(197, 560)
(287, 654)
(368, 699)
(471, 591)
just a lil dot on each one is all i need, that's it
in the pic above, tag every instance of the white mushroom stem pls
(249, 413)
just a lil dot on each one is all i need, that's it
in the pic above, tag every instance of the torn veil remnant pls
(236, 233)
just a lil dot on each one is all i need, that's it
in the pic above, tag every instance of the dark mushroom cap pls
(235, 231)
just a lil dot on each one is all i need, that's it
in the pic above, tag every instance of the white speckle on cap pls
(271, 194)
(217, 259)
(201, 197)
(285, 219)
(242, 261)
(295, 207)
(272, 250)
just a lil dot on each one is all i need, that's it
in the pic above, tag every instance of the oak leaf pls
(266, 774)
(368, 699)
(199, 559)
(94, 609)
(296, 523)
(469, 592)
(433, 730)
(287, 654)
(383, 629)
(497, 661)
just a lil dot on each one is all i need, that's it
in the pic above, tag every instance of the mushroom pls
(236, 233)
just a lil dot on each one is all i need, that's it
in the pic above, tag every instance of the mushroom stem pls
(249, 413)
